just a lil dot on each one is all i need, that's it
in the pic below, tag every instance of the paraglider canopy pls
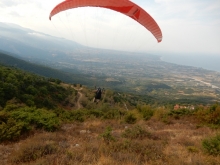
(125, 7)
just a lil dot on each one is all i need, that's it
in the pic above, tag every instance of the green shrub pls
(117, 99)
(90, 106)
(11, 130)
(130, 118)
(214, 106)
(111, 114)
(212, 145)
(30, 103)
(104, 107)
(77, 115)
(10, 107)
(209, 116)
(3, 117)
(160, 113)
(180, 112)
(96, 113)
(107, 135)
(214, 116)
(24, 119)
(192, 149)
(147, 114)
(40, 118)
(137, 132)
(146, 111)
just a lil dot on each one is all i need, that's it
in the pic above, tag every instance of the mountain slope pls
(29, 43)
(8, 60)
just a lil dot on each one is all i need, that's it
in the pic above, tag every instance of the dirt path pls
(80, 97)
(78, 92)
(78, 101)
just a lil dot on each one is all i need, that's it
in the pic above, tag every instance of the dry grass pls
(149, 142)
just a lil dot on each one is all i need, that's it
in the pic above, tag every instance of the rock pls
(83, 132)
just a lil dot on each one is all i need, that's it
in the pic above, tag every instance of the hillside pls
(32, 44)
(45, 121)
(30, 89)
(9, 60)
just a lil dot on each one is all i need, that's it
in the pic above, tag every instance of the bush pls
(41, 118)
(3, 117)
(96, 113)
(212, 145)
(192, 149)
(78, 115)
(137, 132)
(214, 117)
(146, 111)
(180, 112)
(209, 116)
(11, 130)
(11, 107)
(107, 135)
(112, 114)
(24, 119)
(130, 118)
(160, 113)
(147, 114)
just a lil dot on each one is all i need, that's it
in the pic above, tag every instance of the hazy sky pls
(188, 26)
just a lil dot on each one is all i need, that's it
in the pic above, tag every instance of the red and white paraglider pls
(125, 7)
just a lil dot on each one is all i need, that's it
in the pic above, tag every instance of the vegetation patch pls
(146, 111)
(130, 118)
(209, 115)
(107, 135)
(212, 145)
(136, 132)
(36, 148)
(24, 119)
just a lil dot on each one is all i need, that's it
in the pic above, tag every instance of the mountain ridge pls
(42, 70)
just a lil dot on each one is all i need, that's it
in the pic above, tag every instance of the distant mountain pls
(29, 43)
(8, 60)
(40, 47)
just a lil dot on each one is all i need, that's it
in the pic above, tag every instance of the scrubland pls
(144, 135)
(46, 122)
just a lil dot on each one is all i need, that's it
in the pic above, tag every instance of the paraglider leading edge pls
(125, 7)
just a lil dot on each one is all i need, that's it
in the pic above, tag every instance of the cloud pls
(11, 3)
(14, 14)
(190, 9)
(38, 35)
